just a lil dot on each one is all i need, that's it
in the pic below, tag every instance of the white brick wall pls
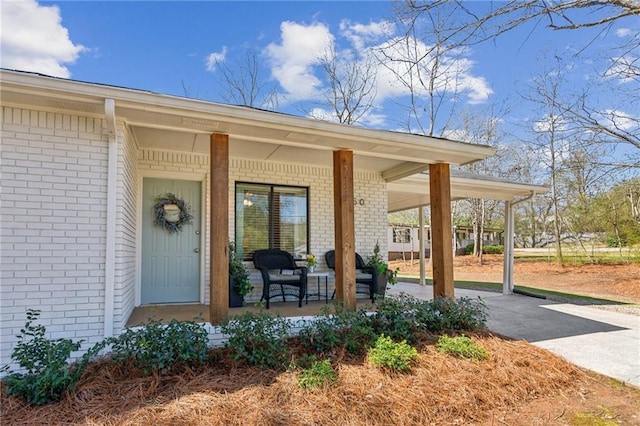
(126, 225)
(53, 224)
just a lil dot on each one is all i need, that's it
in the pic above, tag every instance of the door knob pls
(196, 250)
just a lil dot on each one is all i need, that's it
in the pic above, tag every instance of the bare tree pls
(241, 83)
(481, 128)
(469, 28)
(428, 67)
(351, 83)
(552, 137)
(557, 15)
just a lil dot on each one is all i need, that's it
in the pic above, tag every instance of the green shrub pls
(468, 249)
(497, 249)
(443, 313)
(259, 339)
(398, 317)
(160, 347)
(49, 373)
(391, 355)
(404, 317)
(340, 328)
(319, 374)
(461, 347)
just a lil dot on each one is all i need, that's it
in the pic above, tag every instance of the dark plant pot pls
(381, 285)
(235, 299)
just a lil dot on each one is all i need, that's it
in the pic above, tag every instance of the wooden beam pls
(344, 228)
(403, 170)
(218, 228)
(441, 237)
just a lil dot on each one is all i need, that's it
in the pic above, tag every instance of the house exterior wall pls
(126, 229)
(54, 207)
(53, 224)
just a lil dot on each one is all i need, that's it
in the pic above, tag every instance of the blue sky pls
(167, 47)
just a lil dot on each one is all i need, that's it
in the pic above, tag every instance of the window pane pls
(290, 220)
(401, 235)
(271, 217)
(252, 219)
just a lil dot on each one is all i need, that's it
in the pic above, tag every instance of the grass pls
(497, 287)
(577, 256)
(604, 417)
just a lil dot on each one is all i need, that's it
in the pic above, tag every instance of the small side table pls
(319, 275)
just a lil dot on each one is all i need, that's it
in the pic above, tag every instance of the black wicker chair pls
(280, 275)
(366, 276)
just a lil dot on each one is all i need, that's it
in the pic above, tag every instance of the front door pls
(170, 260)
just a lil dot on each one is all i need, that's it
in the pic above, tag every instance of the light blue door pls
(170, 261)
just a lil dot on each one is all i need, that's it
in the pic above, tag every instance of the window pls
(401, 235)
(271, 216)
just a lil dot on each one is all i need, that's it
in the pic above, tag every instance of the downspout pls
(112, 191)
(507, 269)
(421, 245)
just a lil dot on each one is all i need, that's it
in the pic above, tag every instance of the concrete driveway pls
(600, 340)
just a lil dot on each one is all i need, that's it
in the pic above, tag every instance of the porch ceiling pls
(176, 123)
(412, 192)
(242, 147)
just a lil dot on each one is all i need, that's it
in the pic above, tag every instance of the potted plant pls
(239, 284)
(312, 261)
(384, 274)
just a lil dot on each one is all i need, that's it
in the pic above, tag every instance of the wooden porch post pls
(441, 238)
(344, 228)
(218, 228)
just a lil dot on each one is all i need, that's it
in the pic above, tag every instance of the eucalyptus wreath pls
(185, 213)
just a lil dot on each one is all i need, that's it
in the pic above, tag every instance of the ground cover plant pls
(515, 384)
(461, 347)
(319, 374)
(394, 356)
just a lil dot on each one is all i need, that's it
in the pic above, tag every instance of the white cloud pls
(216, 57)
(322, 114)
(452, 77)
(619, 119)
(295, 60)
(292, 60)
(361, 35)
(369, 119)
(623, 32)
(34, 39)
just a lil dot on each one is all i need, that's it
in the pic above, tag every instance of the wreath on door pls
(172, 213)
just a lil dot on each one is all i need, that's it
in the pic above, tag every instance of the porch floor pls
(199, 312)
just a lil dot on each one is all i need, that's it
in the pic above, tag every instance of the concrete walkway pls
(599, 340)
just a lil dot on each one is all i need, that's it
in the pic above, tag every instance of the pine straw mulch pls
(518, 384)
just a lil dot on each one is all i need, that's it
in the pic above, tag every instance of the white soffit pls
(414, 191)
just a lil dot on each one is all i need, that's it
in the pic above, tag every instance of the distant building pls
(403, 241)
